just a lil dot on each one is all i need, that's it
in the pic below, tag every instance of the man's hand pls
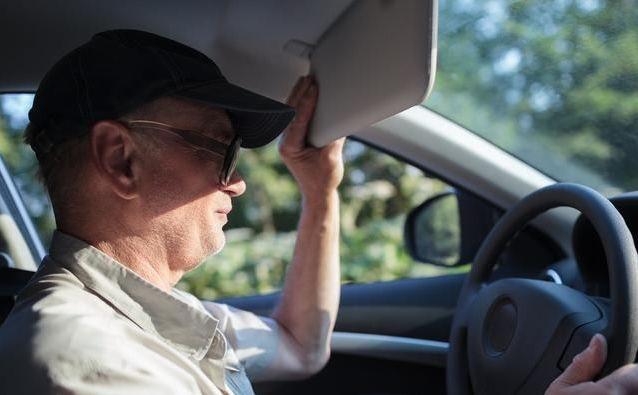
(318, 171)
(577, 378)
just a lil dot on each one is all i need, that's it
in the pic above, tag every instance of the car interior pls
(551, 263)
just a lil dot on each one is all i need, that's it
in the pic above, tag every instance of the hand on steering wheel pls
(577, 378)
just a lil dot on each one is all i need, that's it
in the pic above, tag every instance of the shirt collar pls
(185, 326)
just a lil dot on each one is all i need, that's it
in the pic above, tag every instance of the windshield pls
(555, 83)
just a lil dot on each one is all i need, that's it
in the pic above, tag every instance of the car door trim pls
(395, 348)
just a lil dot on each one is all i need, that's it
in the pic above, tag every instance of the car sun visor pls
(378, 59)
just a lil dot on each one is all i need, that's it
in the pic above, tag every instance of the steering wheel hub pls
(515, 324)
(500, 325)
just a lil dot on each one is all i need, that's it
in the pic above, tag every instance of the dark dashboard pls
(588, 248)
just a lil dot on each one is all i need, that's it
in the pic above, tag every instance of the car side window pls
(377, 193)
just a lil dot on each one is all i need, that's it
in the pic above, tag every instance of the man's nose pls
(236, 185)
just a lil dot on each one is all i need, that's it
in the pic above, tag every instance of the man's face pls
(180, 189)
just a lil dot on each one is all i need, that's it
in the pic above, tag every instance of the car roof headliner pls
(246, 38)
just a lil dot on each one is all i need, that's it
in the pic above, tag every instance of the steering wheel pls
(516, 335)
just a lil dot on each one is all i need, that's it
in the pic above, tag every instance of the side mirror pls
(448, 229)
(433, 231)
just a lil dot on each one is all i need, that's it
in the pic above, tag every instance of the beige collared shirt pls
(85, 324)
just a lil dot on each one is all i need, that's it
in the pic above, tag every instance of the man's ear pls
(112, 153)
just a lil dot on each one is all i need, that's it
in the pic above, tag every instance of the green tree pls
(546, 76)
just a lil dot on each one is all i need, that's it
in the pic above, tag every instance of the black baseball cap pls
(119, 70)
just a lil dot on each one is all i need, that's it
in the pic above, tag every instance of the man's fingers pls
(295, 134)
(585, 365)
(294, 91)
(588, 363)
(298, 91)
(306, 105)
(625, 378)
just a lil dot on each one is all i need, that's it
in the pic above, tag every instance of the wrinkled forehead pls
(187, 114)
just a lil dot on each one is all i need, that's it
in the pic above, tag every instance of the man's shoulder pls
(56, 313)
(56, 327)
(55, 292)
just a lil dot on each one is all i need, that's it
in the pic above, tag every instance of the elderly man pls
(137, 137)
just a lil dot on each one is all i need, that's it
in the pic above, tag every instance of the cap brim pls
(256, 118)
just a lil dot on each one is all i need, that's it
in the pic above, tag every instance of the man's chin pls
(216, 247)
(208, 247)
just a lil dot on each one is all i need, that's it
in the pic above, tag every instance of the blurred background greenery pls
(553, 82)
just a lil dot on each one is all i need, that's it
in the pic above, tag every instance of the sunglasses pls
(198, 141)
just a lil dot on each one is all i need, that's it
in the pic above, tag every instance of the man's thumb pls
(585, 365)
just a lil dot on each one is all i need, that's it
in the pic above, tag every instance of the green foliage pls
(554, 82)
(250, 263)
